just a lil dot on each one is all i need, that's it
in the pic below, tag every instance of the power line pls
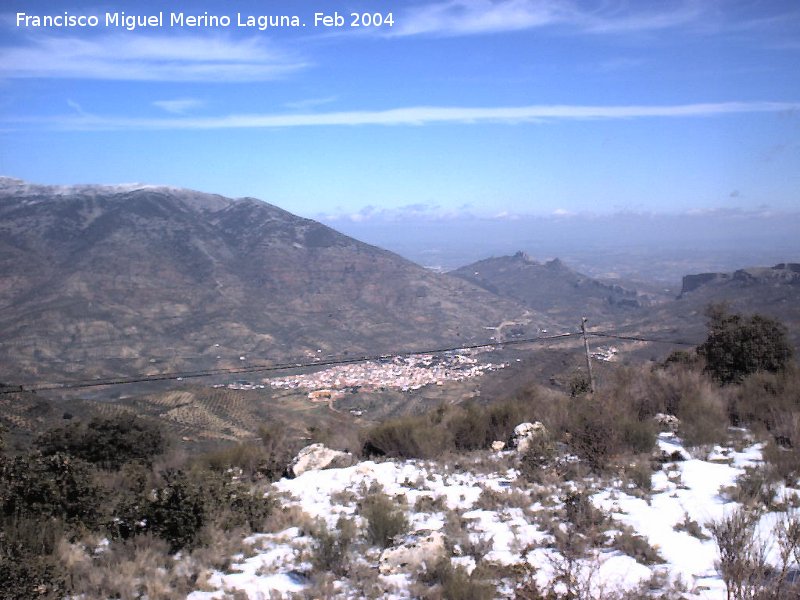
(274, 367)
(640, 339)
(265, 368)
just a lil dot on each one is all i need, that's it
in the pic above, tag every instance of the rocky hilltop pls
(552, 287)
(113, 280)
(770, 291)
(779, 275)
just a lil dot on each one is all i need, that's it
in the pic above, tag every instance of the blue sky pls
(493, 108)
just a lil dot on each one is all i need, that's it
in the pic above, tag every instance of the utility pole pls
(588, 359)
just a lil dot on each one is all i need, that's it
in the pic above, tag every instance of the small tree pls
(739, 345)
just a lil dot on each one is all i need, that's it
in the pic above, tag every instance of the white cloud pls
(129, 57)
(76, 107)
(310, 102)
(464, 17)
(179, 106)
(469, 17)
(419, 115)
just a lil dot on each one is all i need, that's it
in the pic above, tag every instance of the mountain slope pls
(106, 280)
(770, 291)
(553, 288)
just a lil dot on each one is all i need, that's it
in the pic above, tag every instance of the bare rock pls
(497, 446)
(425, 548)
(317, 457)
(524, 435)
(667, 422)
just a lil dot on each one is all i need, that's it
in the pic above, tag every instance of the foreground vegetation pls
(100, 508)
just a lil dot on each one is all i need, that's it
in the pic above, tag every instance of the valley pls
(228, 339)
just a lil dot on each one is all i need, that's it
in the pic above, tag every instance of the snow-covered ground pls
(509, 519)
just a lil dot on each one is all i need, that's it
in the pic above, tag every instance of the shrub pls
(49, 486)
(737, 346)
(180, 508)
(108, 442)
(540, 455)
(28, 567)
(755, 487)
(330, 548)
(691, 527)
(681, 357)
(637, 548)
(278, 451)
(454, 428)
(601, 428)
(581, 513)
(454, 583)
(187, 501)
(742, 556)
(579, 385)
(470, 429)
(640, 474)
(407, 437)
(769, 400)
(30, 577)
(429, 504)
(385, 520)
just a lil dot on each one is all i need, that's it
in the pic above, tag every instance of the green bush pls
(738, 345)
(108, 442)
(28, 566)
(49, 486)
(180, 508)
(31, 577)
(190, 500)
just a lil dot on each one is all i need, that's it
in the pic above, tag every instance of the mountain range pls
(105, 281)
(120, 280)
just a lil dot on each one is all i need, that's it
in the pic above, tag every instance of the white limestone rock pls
(524, 435)
(317, 457)
(424, 548)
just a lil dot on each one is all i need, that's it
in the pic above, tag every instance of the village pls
(399, 372)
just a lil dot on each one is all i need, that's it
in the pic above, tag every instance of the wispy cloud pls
(179, 106)
(77, 108)
(469, 17)
(310, 102)
(128, 57)
(465, 17)
(419, 115)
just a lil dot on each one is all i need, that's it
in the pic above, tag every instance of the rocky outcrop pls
(667, 422)
(552, 286)
(780, 274)
(525, 434)
(425, 548)
(317, 457)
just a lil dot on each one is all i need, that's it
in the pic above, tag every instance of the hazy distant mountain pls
(553, 288)
(770, 291)
(724, 284)
(128, 279)
(640, 247)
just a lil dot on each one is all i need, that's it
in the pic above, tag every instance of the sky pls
(490, 108)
